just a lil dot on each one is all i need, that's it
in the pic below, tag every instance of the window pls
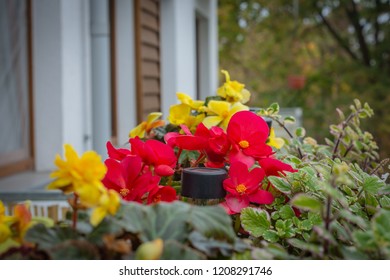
(16, 141)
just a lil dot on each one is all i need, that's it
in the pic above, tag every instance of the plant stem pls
(327, 223)
(343, 127)
(237, 224)
(200, 158)
(281, 124)
(380, 165)
(328, 212)
(348, 150)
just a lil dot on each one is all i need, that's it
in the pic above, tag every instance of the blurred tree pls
(339, 48)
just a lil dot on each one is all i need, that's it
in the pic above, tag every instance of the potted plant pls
(271, 198)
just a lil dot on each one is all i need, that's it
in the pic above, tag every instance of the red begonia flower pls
(187, 141)
(273, 167)
(162, 193)
(155, 153)
(115, 153)
(126, 178)
(243, 187)
(248, 132)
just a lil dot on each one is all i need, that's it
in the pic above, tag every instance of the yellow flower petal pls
(212, 121)
(97, 215)
(276, 142)
(153, 117)
(139, 130)
(70, 153)
(178, 113)
(220, 108)
(246, 95)
(227, 76)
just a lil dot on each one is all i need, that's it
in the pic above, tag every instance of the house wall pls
(178, 48)
(65, 84)
(60, 78)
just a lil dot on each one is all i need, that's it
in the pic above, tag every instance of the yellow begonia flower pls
(181, 114)
(233, 91)
(73, 170)
(222, 111)
(187, 100)
(273, 141)
(83, 175)
(151, 122)
(109, 203)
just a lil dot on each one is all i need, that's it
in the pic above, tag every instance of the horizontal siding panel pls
(151, 86)
(150, 38)
(149, 21)
(150, 53)
(150, 7)
(151, 102)
(150, 69)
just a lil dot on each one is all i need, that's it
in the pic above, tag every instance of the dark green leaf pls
(174, 250)
(46, 238)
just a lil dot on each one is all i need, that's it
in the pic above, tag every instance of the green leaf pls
(174, 221)
(75, 250)
(381, 228)
(255, 221)
(385, 202)
(289, 119)
(306, 225)
(352, 218)
(211, 246)
(365, 240)
(306, 202)
(273, 108)
(305, 246)
(315, 218)
(286, 212)
(174, 250)
(46, 237)
(372, 204)
(280, 183)
(372, 184)
(300, 132)
(271, 236)
(358, 104)
(351, 253)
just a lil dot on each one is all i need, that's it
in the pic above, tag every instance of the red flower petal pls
(236, 203)
(261, 197)
(162, 193)
(164, 170)
(117, 154)
(272, 167)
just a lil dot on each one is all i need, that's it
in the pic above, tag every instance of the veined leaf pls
(280, 183)
(255, 221)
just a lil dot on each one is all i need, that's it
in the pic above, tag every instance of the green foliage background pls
(262, 43)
